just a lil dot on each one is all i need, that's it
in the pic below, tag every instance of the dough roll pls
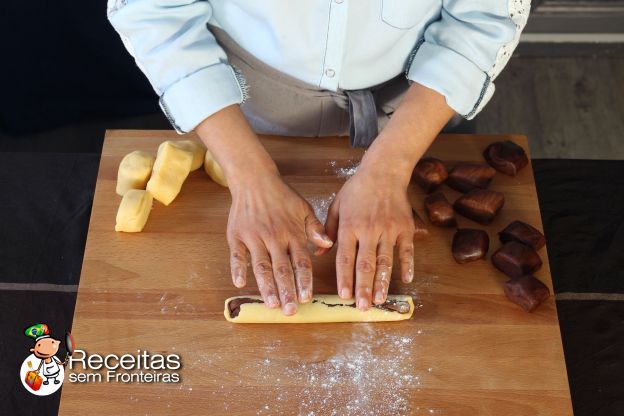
(322, 308)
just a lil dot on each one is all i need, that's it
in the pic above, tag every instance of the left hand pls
(375, 216)
(371, 215)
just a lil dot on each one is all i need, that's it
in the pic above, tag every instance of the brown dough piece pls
(439, 210)
(480, 205)
(506, 157)
(515, 259)
(523, 233)
(527, 292)
(469, 245)
(429, 173)
(467, 176)
(235, 304)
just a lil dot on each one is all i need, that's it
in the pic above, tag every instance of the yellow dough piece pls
(322, 308)
(197, 148)
(134, 171)
(133, 211)
(213, 170)
(171, 168)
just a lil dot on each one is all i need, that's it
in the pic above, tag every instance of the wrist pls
(385, 175)
(236, 148)
(389, 164)
(252, 175)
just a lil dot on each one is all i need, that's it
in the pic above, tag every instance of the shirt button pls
(330, 72)
(338, 1)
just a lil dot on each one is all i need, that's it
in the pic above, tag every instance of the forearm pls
(409, 133)
(235, 146)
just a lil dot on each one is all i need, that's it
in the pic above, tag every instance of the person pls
(45, 349)
(388, 73)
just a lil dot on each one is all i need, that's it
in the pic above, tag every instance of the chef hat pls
(38, 331)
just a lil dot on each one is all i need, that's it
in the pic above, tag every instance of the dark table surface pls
(47, 185)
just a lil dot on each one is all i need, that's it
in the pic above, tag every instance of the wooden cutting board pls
(466, 351)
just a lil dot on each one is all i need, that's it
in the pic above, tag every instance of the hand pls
(268, 220)
(272, 223)
(370, 216)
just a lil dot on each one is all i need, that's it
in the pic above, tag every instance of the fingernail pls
(379, 298)
(409, 276)
(290, 308)
(325, 238)
(362, 304)
(240, 282)
(272, 301)
(345, 293)
(305, 295)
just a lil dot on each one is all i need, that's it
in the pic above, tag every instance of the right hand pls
(268, 221)
(272, 224)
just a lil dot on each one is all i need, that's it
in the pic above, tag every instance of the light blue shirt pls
(455, 47)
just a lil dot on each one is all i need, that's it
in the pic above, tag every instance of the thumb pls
(315, 232)
(331, 227)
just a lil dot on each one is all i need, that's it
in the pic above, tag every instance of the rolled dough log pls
(213, 169)
(197, 148)
(322, 308)
(134, 171)
(172, 166)
(133, 211)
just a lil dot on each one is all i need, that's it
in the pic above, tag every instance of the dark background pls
(63, 61)
(66, 78)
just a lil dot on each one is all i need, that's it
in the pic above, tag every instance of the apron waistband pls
(360, 104)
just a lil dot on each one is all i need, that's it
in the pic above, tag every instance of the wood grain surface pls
(466, 351)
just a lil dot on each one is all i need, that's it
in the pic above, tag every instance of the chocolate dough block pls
(467, 176)
(523, 233)
(480, 205)
(506, 157)
(515, 259)
(429, 173)
(527, 292)
(439, 210)
(470, 245)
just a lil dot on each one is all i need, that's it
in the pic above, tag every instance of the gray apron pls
(278, 104)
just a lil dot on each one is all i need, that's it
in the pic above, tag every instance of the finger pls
(263, 271)
(238, 262)
(315, 232)
(365, 272)
(331, 226)
(345, 261)
(405, 246)
(383, 271)
(302, 265)
(284, 278)
(420, 229)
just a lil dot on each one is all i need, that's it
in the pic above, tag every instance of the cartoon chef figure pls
(45, 349)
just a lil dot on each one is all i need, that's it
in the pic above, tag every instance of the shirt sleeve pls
(463, 52)
(172, 45)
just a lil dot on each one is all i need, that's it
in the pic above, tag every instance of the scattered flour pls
(320, 205)
(174, 305)
(344, 171)
(370, 374)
